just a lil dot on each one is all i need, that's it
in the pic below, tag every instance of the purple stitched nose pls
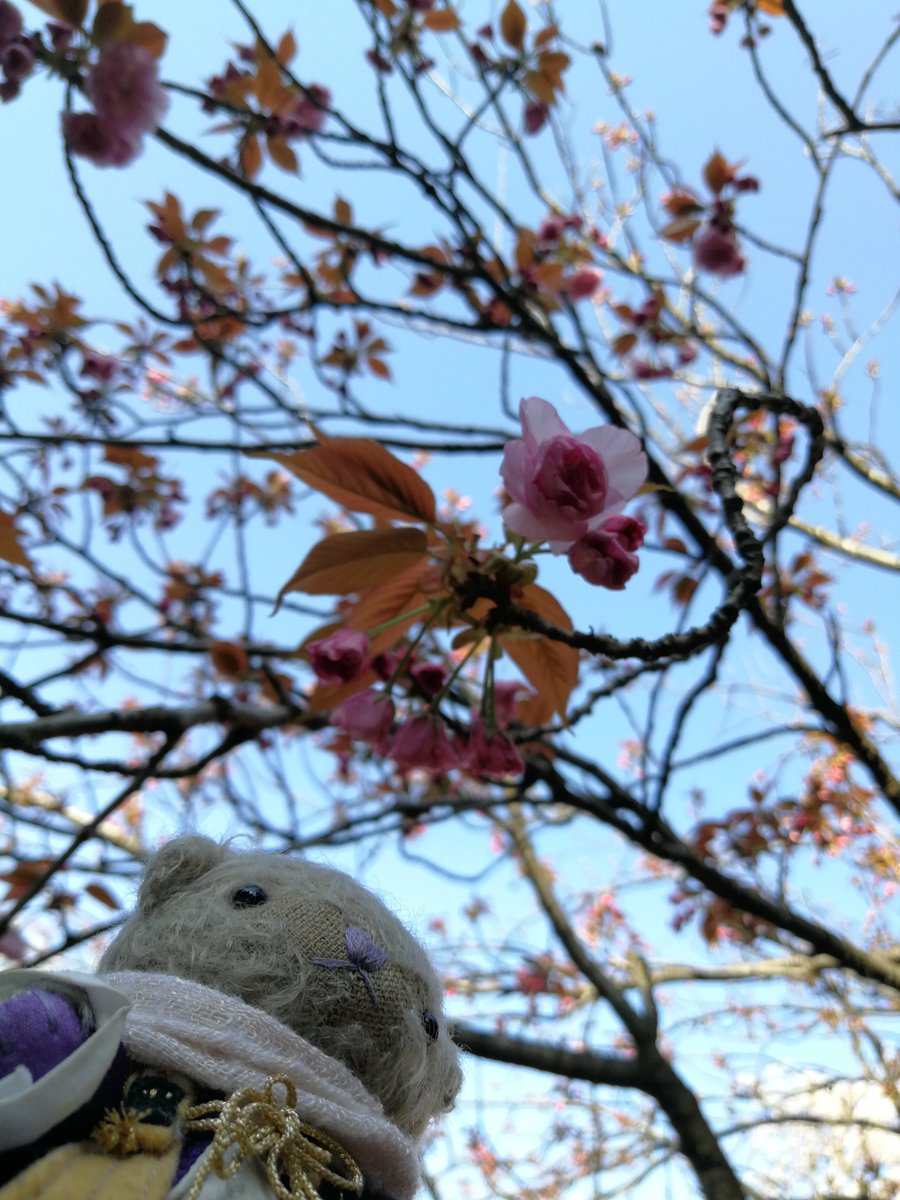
(363, 956)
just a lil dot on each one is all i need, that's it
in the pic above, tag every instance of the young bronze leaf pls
(390, 601)
(513, 25)
(10, 547)
(355, 562)
(550, 667)
(360, 475)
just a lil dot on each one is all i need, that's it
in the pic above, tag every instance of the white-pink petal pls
(625, 461)
(540, 420)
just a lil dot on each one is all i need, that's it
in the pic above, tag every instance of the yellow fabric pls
(80, 1172)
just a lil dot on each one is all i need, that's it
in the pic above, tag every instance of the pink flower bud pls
(583, 283)
(430, 677)
(94, 139)
(340, 657)
(493, 755)
(10, 22)
(535, 117)
(717, 251)
(605, 556)
(16, 59)
(367, 716)
(421, 743)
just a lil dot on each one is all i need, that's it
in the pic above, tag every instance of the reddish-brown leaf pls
(513, 25)
(389, 602)
(716, 172)
(229, 659)
(99, 892)
(10, 547)
(287, 48)
(251, 157)
(281, 154)
(550, 667)
(360, 475)
(682, 229)
(355, 562)
(441, 20)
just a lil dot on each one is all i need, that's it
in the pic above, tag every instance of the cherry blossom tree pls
(462, 477)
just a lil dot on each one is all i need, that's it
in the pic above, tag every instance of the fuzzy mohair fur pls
(186, 924)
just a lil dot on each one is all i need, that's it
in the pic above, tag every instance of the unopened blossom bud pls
(367, 716)
(430, 677)
(16, 59)
(491, 754)
(583, 283)
(340, 657)
(10, 22)
(717, 252)
(605, 556)
(535, 117)
(422, 743)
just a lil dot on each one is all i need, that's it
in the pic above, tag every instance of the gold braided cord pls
(295, 1156)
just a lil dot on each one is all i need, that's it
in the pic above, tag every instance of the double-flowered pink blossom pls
(101, 143)
(716, 250)
(606, 556)
(491, 753)
(562, 485)
(422, 743)
(367, 717)
(340, 657)
(129, 102)
(124, 88)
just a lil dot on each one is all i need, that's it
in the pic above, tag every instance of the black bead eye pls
(431, 1026)
(249, 896)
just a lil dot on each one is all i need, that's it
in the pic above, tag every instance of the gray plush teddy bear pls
(261, 1026)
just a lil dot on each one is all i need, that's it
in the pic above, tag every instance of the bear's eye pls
(249, 895)
(431, 1026)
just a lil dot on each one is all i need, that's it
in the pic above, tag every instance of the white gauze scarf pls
(225, 1044)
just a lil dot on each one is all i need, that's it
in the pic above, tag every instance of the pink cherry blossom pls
(582, 283)
(367, 716)
(507, 693)
(422, 743)
(430, 677)
(94, 139)
(308, 115)
(536, 115)
(561, 485)
(606, 556)
(340, 657)
(491, 754)
(717, 251)
(124, 88)
(10, 22)
(16, 59)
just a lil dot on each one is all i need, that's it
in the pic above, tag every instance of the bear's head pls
(311, 947)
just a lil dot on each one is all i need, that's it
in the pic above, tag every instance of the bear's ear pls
(175, 867)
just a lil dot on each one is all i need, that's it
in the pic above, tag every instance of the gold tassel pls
(295, 1156)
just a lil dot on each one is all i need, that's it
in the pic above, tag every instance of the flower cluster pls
(421, 741)
(16, 53)
(555, 258)
(664, 349)
(129, 102)
(570, 491)
(716, 247)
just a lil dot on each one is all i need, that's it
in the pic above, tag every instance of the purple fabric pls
(38, 1030)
